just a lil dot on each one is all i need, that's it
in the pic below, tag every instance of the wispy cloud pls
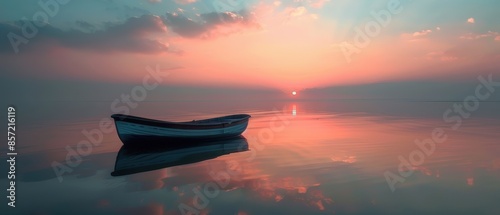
(422, 33)
(441, 56)
(211, 24)
(298, 11)
(475, 36)
(317, 3)
(416, 36)
(137, 34)
(185, 1)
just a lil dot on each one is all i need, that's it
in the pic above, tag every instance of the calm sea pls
(309, 157)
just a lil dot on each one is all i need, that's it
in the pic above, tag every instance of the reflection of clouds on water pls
(324, 161)
(319, 151)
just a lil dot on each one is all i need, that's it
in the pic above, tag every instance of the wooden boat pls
(132, 129)
(133, 159)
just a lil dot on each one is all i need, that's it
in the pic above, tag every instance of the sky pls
(285, 45)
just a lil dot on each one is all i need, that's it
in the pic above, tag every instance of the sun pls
(294, 93)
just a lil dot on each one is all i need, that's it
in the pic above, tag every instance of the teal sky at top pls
(416, 14)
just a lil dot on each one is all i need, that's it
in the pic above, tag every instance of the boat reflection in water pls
(133, 159)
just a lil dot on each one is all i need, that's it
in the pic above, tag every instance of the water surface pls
(303, 158)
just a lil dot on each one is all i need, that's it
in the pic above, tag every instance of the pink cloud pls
(421, 33)
(441, 56)
(299, 11)
(474, 36)
(416, 36)
(471, 20)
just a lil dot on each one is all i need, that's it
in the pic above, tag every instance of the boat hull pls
(134, 131)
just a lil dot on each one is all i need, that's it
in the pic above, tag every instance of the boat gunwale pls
(190, 125)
